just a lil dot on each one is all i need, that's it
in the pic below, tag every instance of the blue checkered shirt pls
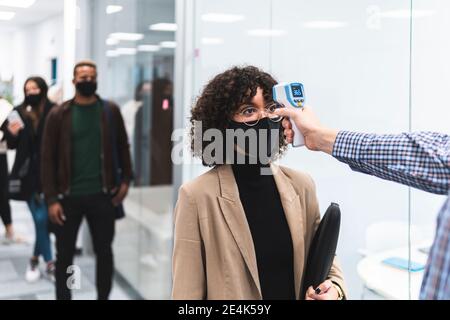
(420, 160)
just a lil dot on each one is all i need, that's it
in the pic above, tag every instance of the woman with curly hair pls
(243, 229)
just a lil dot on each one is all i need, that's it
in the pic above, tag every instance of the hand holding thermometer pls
(291, 95)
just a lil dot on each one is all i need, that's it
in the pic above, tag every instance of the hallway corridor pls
(14, 259)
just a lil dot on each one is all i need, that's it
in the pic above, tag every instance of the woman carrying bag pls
(23, 132)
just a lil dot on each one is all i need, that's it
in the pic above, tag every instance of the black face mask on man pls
(256, 144)
(33, 99)
(86, 88)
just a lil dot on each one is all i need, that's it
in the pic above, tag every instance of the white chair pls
(387, 235)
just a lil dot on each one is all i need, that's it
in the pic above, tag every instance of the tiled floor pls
(13, 263)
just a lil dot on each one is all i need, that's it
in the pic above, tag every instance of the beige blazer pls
(214, 256)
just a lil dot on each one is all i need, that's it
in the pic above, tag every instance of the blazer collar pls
(234, 214)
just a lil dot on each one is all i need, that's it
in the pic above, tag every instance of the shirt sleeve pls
(420, 160)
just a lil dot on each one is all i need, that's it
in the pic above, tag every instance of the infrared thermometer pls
(291, 95)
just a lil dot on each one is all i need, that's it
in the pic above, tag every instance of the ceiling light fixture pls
(113, 9)
(17, 3)
(163, 26)
(124, 36)
(126, 51)
(168, 44)
(148, 48)
(112, 41)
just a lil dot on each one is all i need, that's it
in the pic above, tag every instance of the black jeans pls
(100, 215)
(5, 209)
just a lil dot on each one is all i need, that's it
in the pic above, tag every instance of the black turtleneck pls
(270, 232)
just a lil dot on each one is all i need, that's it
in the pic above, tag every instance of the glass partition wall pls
(373, 66)
(133, 43)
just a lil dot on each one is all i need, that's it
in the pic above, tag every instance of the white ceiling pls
(39, 11)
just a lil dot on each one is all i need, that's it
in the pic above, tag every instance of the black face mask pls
(265, 147)
(33, 99)
(86, 88)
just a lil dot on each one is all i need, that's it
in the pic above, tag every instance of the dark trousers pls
(99, 212)
(5, 209)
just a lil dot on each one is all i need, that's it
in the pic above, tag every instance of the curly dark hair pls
(221, 98)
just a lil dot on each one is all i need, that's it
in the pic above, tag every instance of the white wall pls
(33, 48)
(6, 56)
(84, 29)
(356, 77)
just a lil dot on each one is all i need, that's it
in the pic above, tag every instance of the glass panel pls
(353, 58)
(227, 34)
(134, 45)
(430, 87)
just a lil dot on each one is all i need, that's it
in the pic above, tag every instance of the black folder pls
(323, 249)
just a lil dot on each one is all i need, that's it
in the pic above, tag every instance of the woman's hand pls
(325, 291)
(14, 128)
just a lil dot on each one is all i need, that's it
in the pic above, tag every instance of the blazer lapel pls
(237, 222)
(295, 218)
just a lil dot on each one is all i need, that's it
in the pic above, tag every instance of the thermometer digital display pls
(291, 95)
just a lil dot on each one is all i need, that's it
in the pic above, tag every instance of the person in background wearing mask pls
(161, 133)
(152, 134)
(418, 159)
(243, 229)
(79, 181)
(25, 137)
(130, 112)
